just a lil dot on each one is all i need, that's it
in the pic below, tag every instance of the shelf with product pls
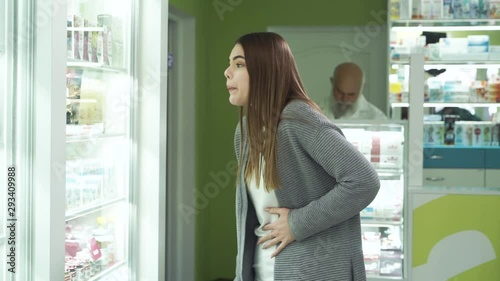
(99, 90)
(383, 144)
(96, 66)
(98, 178)
(460, 44)
(444, 78)
(95, 244)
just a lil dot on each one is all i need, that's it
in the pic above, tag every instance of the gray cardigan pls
(326, 182)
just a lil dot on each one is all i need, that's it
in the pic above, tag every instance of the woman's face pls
(237, 79)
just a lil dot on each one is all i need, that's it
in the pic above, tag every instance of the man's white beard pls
(343, 109)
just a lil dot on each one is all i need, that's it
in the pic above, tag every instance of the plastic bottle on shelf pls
(106, 21)
(111, 241)
(99, 235)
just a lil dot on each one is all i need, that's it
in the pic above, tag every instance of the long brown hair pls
(274, 81)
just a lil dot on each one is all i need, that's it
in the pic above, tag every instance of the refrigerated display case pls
(68, 126)
(383, 143)
(98, 140)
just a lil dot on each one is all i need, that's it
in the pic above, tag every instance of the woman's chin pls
(234, 101)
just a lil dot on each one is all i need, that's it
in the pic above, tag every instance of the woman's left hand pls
(280, 231)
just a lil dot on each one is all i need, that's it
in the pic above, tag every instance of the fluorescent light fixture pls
(445, 28)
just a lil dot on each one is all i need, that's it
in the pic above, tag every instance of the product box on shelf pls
(90, 248)
(92, 99)
(447, 10)
(463, 133)
(431, 9)
(106, 21)
(493, 92)
(483, 9)
(433, 133)
(449, 128)
(494, 9)
(416, 9)
(391, 262)
(84, 43)
(371, 252)
(478, 44)
(461, 9)
(77, 37)
(73, 94)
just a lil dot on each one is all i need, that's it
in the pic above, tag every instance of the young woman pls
(301, 184)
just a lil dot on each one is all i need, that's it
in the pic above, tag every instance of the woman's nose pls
(226, 73)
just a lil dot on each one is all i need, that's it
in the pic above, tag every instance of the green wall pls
(216, 118)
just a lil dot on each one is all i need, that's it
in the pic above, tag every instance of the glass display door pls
(98, 140)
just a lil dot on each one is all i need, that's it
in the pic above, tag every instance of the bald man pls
(347, 100)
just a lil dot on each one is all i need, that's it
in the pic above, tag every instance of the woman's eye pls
(239, 65)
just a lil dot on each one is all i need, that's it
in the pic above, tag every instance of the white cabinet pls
(454, 177)
(492, 178)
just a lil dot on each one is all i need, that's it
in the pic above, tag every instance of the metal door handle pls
(437, 157)
(434, 179)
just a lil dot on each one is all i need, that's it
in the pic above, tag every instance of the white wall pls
(317, 50)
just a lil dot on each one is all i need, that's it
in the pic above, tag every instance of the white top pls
(261, 199)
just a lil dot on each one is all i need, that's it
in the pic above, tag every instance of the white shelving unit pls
(406, 72)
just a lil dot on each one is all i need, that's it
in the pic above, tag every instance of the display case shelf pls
(449, 104)
(382, 278)
(454, 63)
(94, 66)
(107, 272)
(380, 222)
(448, 24)
(73, 214)
(85, 28)
(461, 147)
(388, 174)
(94, 137)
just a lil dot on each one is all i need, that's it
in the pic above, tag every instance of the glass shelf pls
(94, 137)
(448, 104)
(94, 66)
(85, 28)
(107, 272)
(389, 174)
(449, 24)
(380, 222)
(381, 278)
(73, 214)
(447, 63)
(460, 147)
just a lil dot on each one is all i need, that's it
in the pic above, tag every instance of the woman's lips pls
(231, 89)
